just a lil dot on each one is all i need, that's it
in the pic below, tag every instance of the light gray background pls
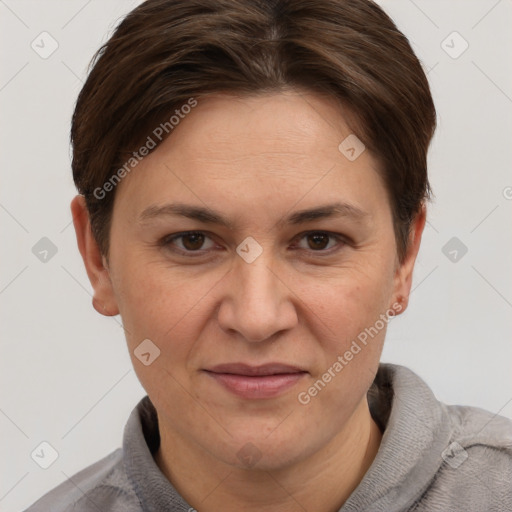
(66, 375)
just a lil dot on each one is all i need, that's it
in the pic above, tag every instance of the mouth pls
(256, 382)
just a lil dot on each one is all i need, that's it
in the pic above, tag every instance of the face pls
(290, 258)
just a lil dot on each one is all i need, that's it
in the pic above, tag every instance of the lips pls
(256, 382)
(248, 370)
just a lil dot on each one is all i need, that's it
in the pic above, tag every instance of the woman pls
(253, 188)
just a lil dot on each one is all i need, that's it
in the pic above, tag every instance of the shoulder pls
(475, 471)
(100, 486)
(481, 437)
(441, 457)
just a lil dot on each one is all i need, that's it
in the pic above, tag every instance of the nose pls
(257, 302)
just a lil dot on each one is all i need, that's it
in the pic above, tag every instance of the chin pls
(266, 450)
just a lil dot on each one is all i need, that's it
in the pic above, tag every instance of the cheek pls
(156, 301)
(169, 306)
(351, 314)
(158, 306)
(348, 302)
(354, 313)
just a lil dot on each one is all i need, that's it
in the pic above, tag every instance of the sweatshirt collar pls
(417, 431)
(140, 442)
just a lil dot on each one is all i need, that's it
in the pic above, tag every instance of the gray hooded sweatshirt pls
(432, 457)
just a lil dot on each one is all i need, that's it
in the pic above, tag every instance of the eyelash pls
(169, 239)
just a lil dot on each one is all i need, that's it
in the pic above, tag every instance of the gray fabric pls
(433, 457)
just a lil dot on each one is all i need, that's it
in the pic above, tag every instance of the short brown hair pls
(166, 52)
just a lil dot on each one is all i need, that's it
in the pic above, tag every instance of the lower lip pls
(266, 386)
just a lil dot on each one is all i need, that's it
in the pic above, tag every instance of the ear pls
(104, 300)
(403, 274)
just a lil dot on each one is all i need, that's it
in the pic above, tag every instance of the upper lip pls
(246, 369)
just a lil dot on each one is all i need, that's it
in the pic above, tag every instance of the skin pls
(255, 160)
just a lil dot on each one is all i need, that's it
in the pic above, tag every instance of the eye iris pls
(193, 241)
(319, 240)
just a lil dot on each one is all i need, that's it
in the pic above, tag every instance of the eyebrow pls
(208, 216)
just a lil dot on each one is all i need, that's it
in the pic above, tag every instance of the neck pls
(321, 482)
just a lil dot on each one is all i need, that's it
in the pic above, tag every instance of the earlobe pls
(399, 305)
(104, 300)
(404, 272)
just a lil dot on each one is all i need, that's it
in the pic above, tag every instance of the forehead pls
(265, 148)
(289, 123)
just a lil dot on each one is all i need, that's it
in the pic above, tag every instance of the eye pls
(321, 241)
(191, 241)
(197, 243)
